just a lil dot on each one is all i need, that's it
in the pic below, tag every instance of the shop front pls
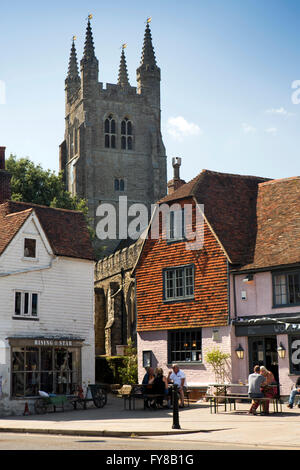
(49, 364)
(274, 343)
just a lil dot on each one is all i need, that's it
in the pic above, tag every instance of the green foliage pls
(31, 183)
(129, 373)
(218, 360)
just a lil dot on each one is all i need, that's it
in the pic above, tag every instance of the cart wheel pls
(40, 406)
(100, 398)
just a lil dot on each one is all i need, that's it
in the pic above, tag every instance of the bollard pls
(176, 424)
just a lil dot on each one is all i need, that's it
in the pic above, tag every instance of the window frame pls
(171, 227)
(184, 286)
(187, 334)
(110, 132)
(121, 186)
(30, 258)
(286, 274)
(126, 134)
(23, 293)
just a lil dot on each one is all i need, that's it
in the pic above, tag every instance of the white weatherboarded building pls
(46, 304)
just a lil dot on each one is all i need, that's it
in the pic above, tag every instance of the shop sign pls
(273, 329)
(52, 342)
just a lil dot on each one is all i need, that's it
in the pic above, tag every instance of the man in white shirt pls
(178, 378)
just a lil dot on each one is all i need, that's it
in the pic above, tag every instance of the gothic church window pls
(119, 184)
(110, 132)
(126, 134)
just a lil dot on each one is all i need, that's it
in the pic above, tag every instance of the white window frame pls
(176, 225)
(30, 258)
(22, 306)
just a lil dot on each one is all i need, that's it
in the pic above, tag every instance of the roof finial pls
(123, 74)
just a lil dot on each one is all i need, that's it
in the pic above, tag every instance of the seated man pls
(255, 382)
(178, 378)
(294, 392)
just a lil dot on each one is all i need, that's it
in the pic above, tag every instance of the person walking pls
(255, 382)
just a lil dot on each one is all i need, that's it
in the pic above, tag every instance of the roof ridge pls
(236, 175)
(18, 213)
(280, 180)
(33, 205)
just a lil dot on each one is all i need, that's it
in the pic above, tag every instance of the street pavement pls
(197, 424)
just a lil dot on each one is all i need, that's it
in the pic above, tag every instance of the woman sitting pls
(269, 389)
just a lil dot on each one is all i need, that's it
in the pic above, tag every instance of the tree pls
(218, 360)
(31, 183)
(129, 373)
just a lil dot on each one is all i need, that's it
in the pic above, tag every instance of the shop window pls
(179, 283)
(185, 345)
(286, 289)
(50, 369)
(29, 248)
(26, 304)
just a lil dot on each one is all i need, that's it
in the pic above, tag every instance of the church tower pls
(113, 144)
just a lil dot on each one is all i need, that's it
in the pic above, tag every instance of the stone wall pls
(115, 312)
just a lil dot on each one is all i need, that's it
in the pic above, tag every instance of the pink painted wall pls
(259, 302)
(196, 374)
(259, 296)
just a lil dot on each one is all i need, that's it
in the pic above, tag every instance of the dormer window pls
(110, 132)
(29, 248)
(126, 134)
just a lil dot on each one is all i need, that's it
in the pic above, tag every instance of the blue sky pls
(227, 71)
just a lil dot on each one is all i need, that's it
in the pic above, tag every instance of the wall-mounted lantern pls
(240, 352)
(249, 278)
(281, 351)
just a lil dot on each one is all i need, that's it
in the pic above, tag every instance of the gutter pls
(28, 270)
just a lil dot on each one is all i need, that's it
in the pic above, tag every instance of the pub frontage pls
(274, 343)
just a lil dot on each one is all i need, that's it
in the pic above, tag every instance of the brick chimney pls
(176, 182)
(5, 192)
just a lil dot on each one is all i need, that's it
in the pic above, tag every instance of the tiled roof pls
(65, 230)
(210, 304)
(230, 208)
(278, 224)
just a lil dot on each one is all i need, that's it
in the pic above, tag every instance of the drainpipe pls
(234, 297)
(228, 292)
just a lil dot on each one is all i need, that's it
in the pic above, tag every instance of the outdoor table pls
(225, 386)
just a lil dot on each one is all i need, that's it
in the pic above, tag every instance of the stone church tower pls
(113, 144)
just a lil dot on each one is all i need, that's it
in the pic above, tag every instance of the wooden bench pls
(130, 393)
(233, 399)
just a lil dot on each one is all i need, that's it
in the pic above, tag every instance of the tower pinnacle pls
(73, 73)
(123, 74)
(72, 82)
(89, 50)
(148, 55)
